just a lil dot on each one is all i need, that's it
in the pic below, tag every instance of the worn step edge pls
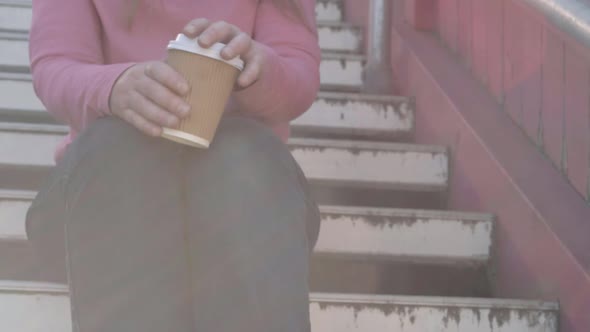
(303, 142)
(7, 286)
(365, 145)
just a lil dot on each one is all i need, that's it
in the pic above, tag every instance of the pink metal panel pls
(479, 40)
(577, 114)
(448, 22)
(356, 12)
(552, 116)
(514, 62)
(531, 92)
(495, 56)
(542, 223)
(465, 30)
(421, 14)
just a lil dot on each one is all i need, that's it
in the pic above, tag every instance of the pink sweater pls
(78, 49)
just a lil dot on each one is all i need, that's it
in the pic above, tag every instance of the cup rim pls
(184, 43)
(185, 138)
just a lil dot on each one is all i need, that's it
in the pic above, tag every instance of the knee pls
(247, 146)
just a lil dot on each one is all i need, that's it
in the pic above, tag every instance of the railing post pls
(378, 69)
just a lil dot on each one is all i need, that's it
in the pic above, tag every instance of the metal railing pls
(378, 68)
(572, 16)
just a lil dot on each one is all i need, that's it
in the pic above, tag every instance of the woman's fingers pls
(239, 45)
(251, 72)
(195, 27)
(167, 76)
(218, 32)
(139, 122)
(152, 112)
(163, 97)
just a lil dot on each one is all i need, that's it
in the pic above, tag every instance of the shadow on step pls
(399, 278)
(373, 197)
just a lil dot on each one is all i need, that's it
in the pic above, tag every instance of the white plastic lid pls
(186, 44)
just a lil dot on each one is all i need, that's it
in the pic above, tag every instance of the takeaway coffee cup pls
(211, 80)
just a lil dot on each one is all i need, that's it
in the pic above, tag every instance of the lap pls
(110, 148)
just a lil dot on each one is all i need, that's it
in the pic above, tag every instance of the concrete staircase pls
(378, 265)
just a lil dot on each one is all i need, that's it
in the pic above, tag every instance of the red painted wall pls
(539, 75)
(500, 78)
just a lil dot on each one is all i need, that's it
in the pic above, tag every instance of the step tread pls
(366, 145)
(28, 3)
(361, 96)
(415, 213)
(8, 286)
(332, 55)
(6, 194)
(304, 142)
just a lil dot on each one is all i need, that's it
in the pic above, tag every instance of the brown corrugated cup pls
(211, 80)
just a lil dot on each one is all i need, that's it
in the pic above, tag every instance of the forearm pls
(286, 88)
(75, 92)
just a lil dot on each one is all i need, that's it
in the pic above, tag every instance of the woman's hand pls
(150, 96)
(238, 44)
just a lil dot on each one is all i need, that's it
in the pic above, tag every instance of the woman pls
(159, 236)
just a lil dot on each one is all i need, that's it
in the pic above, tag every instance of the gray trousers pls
(162, 237)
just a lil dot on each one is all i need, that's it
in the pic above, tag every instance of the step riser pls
(329, 11)
(334, 71)
(400, 167)
(363, 276)
(405, 314)
(340, 38)
(17, 18)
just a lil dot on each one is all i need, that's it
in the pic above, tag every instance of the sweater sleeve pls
(290, 80)
(69, 74)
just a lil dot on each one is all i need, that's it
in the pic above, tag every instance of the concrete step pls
(329, 10)
(328, 162)
(357, 115)
(351, 232)
(342, 72)
(49, 305)
(340, 37)
(333, 114)
(16, 15)
(421, 236)
(373, 165)
(338, 71)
